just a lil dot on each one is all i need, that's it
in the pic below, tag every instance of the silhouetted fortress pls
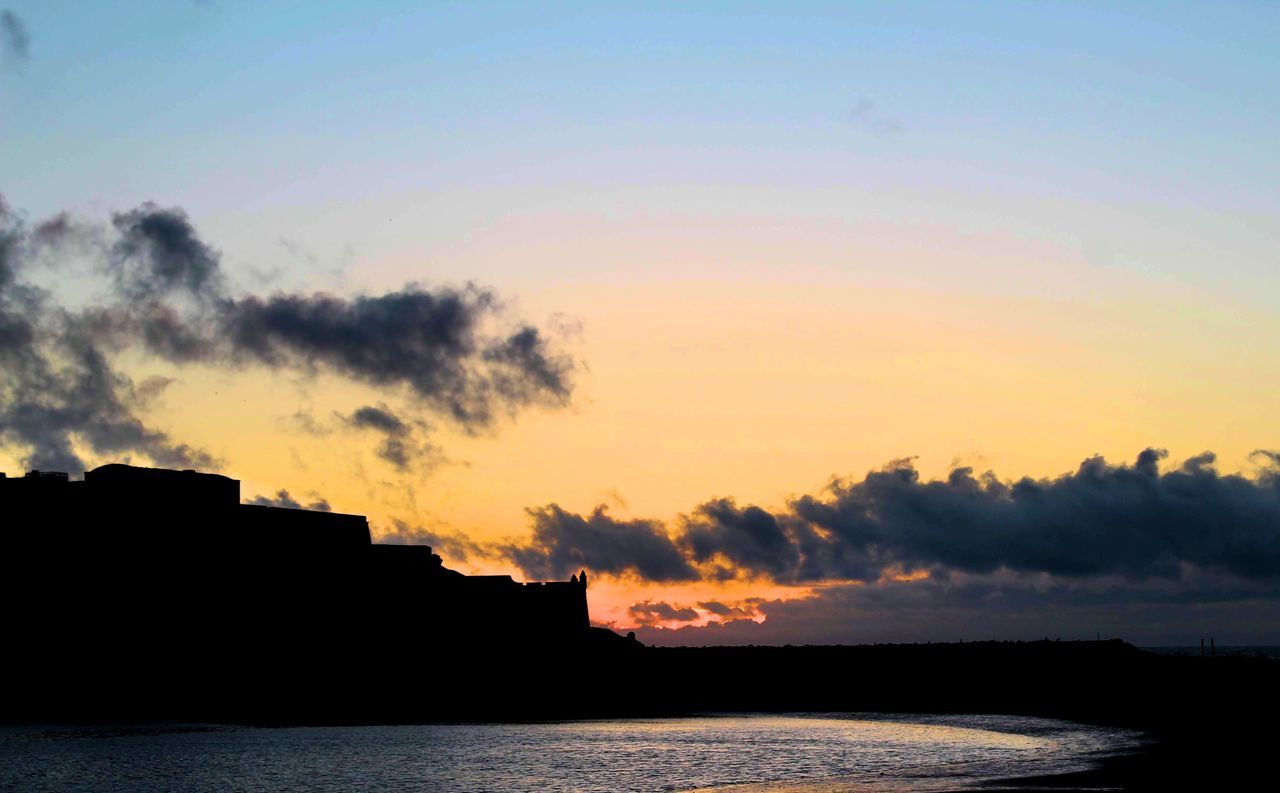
(168, 567)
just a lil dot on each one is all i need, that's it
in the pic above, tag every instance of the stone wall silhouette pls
(162, 581)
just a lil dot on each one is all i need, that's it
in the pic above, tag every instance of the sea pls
(792, 753)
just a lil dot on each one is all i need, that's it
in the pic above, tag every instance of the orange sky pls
(691, 389)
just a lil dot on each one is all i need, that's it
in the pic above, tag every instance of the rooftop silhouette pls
(159, 576)
(154, 547)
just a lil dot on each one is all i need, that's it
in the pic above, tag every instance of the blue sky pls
(1092, 124)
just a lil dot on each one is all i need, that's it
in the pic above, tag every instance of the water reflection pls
(810, 752)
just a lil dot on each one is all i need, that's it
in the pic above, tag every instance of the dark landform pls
(152, 595)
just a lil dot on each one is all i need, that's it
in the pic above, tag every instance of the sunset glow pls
(765, 254)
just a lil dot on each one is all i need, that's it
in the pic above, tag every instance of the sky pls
(792, 322)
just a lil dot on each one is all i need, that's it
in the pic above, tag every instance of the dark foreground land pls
(1210, 719)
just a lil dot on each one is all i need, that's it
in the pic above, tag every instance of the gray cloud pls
(648, 613)
(446, 350)
(57, 384)
(1130, 520)
(158, 252)
(564, 543)
(305, 423)
(724, 610)
(401, 445)
(749, 538)
(428, 342)
(1134, 521)
(15, 42)
(283, 500)
(1151, 552)
(379, 418)
(452, 545)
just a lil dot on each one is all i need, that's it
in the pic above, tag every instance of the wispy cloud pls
(283, 500)
(15, 42)
(403, 443)
(867, 113)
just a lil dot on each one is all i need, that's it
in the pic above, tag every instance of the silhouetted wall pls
(147, 571)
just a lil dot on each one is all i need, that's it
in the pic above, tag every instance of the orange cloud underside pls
(609, 599)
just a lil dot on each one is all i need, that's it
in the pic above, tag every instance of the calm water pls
(809, 752)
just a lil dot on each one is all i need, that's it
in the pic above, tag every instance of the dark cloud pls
(159, 252)
(453, 546)
(1135, 522)
(1129, 520)
(15, 42)
(1145, 550)
(57, 384)
(283, 500)
(743, 538)
(975, 608)
(428, 342)
(401, 445)
(11, 240)
(649, 613)
(726, 610)
(451, 353)
(564, 543)
(525, 370)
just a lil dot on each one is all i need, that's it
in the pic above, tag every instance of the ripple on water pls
(817, 753)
